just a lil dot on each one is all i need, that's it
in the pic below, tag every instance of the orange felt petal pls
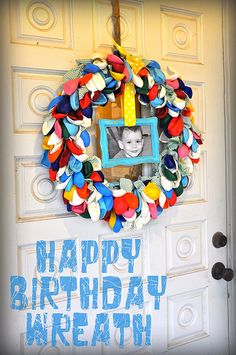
(132, 200)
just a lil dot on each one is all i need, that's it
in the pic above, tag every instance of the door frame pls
(229, 70)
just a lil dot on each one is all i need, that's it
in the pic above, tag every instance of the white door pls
(42, 40)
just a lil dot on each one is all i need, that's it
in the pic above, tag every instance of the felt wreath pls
(86, 192)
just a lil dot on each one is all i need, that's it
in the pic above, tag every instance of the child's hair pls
(131, 128)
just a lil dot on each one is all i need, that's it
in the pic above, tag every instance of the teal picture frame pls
(107, 162)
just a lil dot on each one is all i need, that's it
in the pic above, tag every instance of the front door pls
(42, 40)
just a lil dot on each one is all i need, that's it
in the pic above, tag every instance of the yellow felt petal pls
(112, 219)
(69, 194)
(191, 118)
(117, 76)
(45, 144)
(152, 191)
(190, 106)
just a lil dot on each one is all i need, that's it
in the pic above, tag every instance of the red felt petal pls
(176, 126)
(173, 199)
(85, 101)
(73, 148)
(120, 205)
(186, 112)
(143, 72)
(85, 79)
(84, 191)
(57, 115)
(161, 112)
(181, 94)
(195, 161)
(153, 92)
(52, 174)
(64, 158)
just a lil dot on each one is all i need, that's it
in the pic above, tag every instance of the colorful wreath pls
(86, 192)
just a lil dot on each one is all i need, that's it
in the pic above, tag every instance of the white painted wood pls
(230, 106)
(37, 51)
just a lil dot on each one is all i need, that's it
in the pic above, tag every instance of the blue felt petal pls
(136, 192)
(91, 68)
(103, 209)
(111, 84)
(102, 100)
(157, 75)
(160, 75)
(153, 64)
(159, 210)
(68, 206)
(185, 134)
(64, 177)
(118, 225)
(79, 180)
(108, 200)
(64, 105)
(71, 128)
(169, 161)
(102, 189)
(181, 84)
(55, 101)
(188, 91)
(74, 101)
(173, 108)
(184, 181)
(44, 160)
(156, 102)
(168, 193)
(86, 138)
(69, 185)
(56, 164)
(108, 79)
(75, 164)
(88, 111)
(194, 146)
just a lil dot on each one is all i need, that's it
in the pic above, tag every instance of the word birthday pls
(104, 293)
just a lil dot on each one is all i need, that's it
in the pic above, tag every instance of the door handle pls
(219, 240)
(219, 271)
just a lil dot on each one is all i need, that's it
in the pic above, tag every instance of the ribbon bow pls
(136, 65)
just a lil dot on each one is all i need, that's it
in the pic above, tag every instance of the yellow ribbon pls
(136, 64)
(129, 105)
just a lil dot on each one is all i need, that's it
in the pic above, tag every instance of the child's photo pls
(129, 145)
(129, 142)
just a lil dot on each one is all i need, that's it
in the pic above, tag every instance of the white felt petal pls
(47, 125)
(76, 199)
(54, 139)
(94, 211)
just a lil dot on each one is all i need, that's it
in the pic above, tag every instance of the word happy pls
(44, 291)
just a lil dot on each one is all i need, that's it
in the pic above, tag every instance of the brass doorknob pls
(219, 240)
(219, 271)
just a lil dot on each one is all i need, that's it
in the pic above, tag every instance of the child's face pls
(131, 142)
